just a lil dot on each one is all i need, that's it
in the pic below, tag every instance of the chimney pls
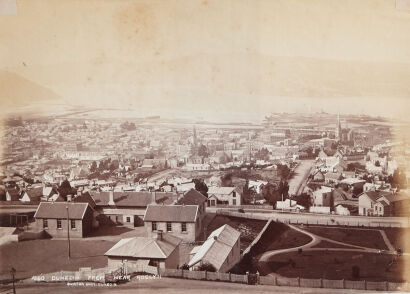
(111, 200)
(158, 235)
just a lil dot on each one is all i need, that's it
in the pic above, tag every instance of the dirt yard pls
(44, 256)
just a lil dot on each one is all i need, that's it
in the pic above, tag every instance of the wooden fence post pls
(275, 280)
(321, 283)
(206, 275)
(365, 284)
(298, 281)
(343, 284)
(230, 277)
(386, 286)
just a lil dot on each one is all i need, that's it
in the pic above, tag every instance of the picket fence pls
(283, 281)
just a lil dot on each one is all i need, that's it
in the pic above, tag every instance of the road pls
(169, 285)
(298, 182)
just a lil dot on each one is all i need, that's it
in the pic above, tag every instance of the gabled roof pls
(171, 213)
(59, 210)
(335, 176)
(49, 191)
(374, 195)
(192, 197)
(35, 193)
(220, 190)
(127, 199)
(217, 247)
(85, 198)
(352, 181)
(142, 247)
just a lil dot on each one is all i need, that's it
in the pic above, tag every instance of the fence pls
(101, 274)
(322, 219)
(283, 281)
(203, 275)
(138, 268)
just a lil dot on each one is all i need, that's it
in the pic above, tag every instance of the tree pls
(65, 188)
(398, 180)
(262, 154)
(226, 180)
(93, 167)
(270, 194)
(201, 187)
(247, 194)
(203, 151)
(283, 189)
(304, 200)
(283, 171)
(206, 266)
(184, 266)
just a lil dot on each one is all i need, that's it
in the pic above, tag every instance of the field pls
(361, 237)
(276, 236)
(338, 265)
(44, 256)
(326, 244)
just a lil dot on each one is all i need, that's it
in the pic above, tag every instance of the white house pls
(224, 196)
(222, 249)
(288, 204)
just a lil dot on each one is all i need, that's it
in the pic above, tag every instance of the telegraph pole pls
(68, 233)
(13, 271)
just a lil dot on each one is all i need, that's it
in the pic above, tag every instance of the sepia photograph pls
(190, 146)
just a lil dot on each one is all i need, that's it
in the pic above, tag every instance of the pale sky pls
(214, 57)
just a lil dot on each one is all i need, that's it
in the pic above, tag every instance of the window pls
(154, 226)
(234, 194)
(45, 223)
(183, 227)
(234, 201)
(128, 219)
(72, 221)
(169, 227)
(59, 226)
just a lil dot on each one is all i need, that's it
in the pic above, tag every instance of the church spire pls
(338, 128)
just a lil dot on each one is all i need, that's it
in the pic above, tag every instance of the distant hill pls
(18, 91)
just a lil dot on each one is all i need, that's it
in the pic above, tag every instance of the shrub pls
(207, 267)
(184, 267)
(241, 210)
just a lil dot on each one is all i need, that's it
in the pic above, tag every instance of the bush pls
(241, 210)
(184, 266)
(207, 267)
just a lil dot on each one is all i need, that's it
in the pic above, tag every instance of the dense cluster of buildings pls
(88, 174)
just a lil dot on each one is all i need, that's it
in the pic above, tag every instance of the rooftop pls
(171, 213)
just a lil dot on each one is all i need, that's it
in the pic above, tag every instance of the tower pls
(338, 131)
(195, 138)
